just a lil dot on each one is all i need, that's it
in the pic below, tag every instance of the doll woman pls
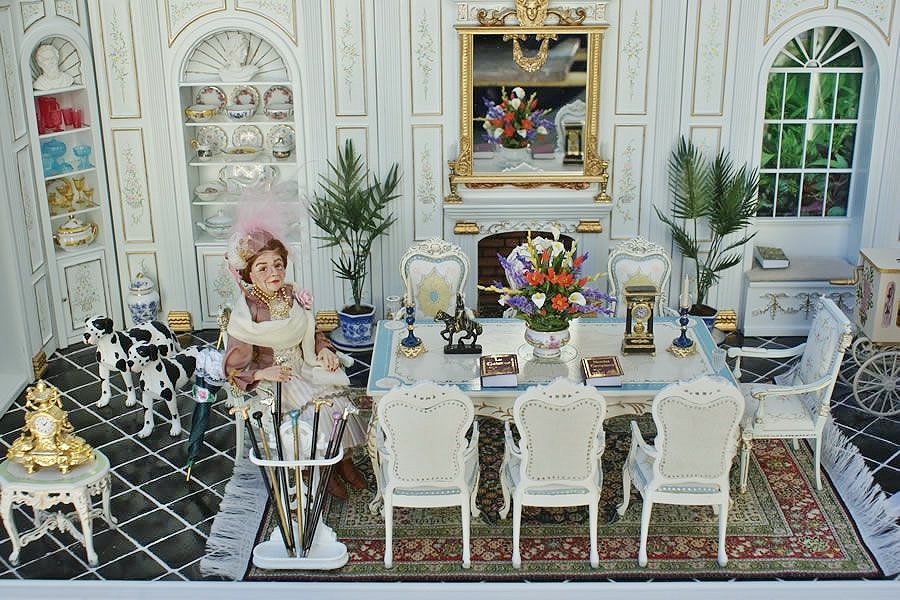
(271, 337)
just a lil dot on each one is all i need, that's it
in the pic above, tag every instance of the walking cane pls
(245, 414)
(321, 487)
(317, 403)
(298, 480)
(333, 447)
(279, 450)
(280, 508)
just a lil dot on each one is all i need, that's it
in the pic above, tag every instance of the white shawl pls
(298, 329)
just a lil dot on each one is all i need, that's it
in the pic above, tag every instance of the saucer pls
(341, 343)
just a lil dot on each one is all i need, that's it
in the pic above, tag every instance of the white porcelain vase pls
(547, 345)
(510, 158)
(143, 299)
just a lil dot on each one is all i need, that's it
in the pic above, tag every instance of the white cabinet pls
(239, 139)
(71, 188)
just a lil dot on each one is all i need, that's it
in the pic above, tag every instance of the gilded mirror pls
(529, 98)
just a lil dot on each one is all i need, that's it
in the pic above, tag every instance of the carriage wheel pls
(876, 386)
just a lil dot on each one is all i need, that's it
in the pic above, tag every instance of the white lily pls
(577, 298)
(518, 92)
(515, 102)
(522, 132)
(539, 298)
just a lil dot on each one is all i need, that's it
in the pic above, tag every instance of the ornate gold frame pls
(536, 19)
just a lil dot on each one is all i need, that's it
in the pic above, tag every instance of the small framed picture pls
(574, 143)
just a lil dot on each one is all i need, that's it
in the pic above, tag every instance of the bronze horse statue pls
(460, 322)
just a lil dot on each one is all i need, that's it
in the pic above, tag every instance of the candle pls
(685, 301)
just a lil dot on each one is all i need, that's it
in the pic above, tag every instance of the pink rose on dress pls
(305, 298)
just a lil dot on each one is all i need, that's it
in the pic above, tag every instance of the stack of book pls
(770, 257)
(602, 371)
(499, 370)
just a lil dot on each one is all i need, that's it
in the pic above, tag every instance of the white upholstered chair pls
(696, 441)
(798, 404)
(556, 461)
(639, 261)
(433, 272)
(425, 459)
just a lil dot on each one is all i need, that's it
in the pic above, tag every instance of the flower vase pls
(547, 345)
(510, 158)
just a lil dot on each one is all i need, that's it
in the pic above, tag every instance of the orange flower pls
(534, 278)
(560, 302)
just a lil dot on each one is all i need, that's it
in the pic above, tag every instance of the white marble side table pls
(46, 488)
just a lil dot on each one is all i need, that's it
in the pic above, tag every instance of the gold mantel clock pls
(46, 438)
(639, 302)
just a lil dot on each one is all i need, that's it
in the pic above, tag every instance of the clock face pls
(43, 425)
(640, 312)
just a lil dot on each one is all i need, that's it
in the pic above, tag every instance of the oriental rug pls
(782, 528)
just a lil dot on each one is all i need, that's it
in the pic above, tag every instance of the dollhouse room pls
(701, 188)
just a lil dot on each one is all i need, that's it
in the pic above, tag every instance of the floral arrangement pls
(547, 289)
(515, 121)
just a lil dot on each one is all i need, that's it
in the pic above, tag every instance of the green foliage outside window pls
(809, 132)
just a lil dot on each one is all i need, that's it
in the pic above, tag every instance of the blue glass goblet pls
(83, 151)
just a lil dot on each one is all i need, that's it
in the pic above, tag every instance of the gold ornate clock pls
(639, 302)
(46, 438)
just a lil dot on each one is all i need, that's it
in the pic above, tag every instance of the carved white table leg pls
(47, 488)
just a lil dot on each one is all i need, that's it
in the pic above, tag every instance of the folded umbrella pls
(208, 379)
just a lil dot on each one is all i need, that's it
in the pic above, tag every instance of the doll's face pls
(267, 271)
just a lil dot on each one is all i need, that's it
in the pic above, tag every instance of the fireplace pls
(496, 219)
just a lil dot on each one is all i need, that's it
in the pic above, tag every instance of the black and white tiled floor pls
(164, 520)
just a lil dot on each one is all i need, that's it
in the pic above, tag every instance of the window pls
(810, 126)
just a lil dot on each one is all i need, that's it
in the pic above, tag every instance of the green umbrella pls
(208, 379)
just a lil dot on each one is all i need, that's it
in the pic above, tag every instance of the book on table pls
(499, 370)
(770, 257)
(602, 371)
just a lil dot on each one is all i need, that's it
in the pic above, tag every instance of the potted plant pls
(715, 200)
(351, 211)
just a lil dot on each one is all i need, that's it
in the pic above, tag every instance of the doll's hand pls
(328, 359)
(274, 373)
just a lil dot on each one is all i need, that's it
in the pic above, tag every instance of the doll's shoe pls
(336, 488)
(351, 474)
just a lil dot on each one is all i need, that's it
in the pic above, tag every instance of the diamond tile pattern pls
(164, 520)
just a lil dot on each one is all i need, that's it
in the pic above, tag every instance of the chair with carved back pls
(798, 404)
(424, 457)
(639, 261)
(556, 461)
(689, 463)
(433, 272)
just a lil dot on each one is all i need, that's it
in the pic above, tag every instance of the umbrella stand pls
(280, 502)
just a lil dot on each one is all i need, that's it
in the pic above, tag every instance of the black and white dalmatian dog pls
(113, 347)
(160, 378)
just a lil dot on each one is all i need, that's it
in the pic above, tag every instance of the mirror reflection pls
(520, 118)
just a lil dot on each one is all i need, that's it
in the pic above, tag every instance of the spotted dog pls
(160, 378)
(113, 347)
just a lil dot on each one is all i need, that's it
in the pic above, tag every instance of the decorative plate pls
(213, 136)
(278, 94)
(211, 95)
(245, 94)
(247, 136)
(285, 133)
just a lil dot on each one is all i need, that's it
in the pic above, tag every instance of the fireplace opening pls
(490, 271)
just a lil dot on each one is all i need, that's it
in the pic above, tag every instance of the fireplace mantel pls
(485, 212)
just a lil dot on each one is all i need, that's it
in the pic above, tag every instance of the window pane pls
(842, 146)
(774, 94)
(770, 146)
(849, 86)
(823, 95)
(791, 147)
(766, 201)
(813, 201)
(788, 193)
(796, 95)
(838, 195)
(818, 141)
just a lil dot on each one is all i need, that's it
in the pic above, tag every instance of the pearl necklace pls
(277, 303)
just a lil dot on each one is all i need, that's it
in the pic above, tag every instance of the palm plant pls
(715, 195)
(351, 212)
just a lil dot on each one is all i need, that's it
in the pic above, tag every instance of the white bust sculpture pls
(235, 55)
(47, 58)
